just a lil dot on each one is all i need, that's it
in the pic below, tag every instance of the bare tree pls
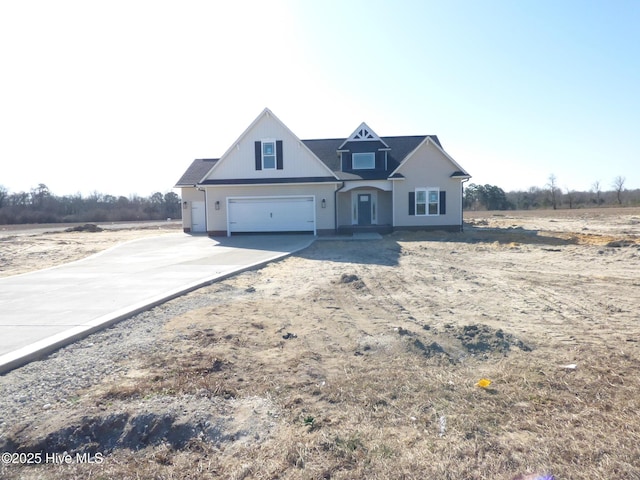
(4, 193)
(618, 186)
(553, 187)
(571, 195)
(597, 189)
(39, 194)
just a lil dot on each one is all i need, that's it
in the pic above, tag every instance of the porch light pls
(184, 205)
(323, 203)
(217, 205)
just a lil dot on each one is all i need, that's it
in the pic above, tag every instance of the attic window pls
(362, 161)
(268, 154)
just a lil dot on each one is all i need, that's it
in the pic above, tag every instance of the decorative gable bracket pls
(364, 133)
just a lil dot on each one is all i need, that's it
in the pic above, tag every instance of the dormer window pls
(363, 161)
(268, 154)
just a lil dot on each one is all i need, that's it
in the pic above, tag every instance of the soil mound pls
(480, 338)
(455, 343)
(352, 280)
(248, 421)
(87, 227)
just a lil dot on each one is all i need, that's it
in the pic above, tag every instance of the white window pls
(268, 154)
(362, 161)
(427, 201)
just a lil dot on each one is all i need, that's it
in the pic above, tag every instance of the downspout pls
(335, 207)
(462, 204)
(206, 219)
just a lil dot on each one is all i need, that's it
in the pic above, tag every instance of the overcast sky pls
(120, 96)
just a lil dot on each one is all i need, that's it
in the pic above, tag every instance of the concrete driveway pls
(44, 310)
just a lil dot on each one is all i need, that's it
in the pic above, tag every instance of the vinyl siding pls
(428, 167)
(240, 161)
(189, 194)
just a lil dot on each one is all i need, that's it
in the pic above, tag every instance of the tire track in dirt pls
(559, 306)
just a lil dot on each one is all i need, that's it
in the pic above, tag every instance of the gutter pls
(206, 220)
(462, 203)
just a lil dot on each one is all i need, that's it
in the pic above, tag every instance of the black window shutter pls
(258, 155)
(279, 164)
(443, 202)
(412, 203)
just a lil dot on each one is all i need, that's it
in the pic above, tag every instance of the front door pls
(364, 209)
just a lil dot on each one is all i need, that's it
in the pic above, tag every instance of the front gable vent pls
(363, 133)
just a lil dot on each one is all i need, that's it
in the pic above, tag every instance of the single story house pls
(271, 181)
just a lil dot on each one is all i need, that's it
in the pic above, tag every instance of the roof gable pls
(399, 147)
(364, 133)
(238, 162)
(429, 140)
(311, 160)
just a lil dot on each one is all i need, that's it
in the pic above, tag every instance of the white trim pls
(383, 185)
(265, 113)
(272, 197)
(361, 154)
(426, 191)
(275, 153)
(393, 204)
(355, 136)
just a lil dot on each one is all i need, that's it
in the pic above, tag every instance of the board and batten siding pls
(240, 161)
(427, 168)
(217, 219)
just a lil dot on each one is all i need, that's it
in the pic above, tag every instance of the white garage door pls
(272, 214)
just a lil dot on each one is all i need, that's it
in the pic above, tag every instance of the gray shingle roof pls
(326, 150)
(400, 147)
(267, 181)
(196, 171)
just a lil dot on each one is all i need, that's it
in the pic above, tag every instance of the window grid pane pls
(267, 148)
(269, 161)
(434, 198)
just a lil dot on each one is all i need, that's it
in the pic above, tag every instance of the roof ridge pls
(385, 136)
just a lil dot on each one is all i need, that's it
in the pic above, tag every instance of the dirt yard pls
(357, 360)
(24, 249)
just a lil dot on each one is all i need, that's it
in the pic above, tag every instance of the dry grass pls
(379, 380)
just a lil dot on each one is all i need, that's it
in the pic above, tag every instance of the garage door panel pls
(271, 214)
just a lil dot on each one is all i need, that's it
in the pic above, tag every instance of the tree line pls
(551, 195)
(39, 205)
